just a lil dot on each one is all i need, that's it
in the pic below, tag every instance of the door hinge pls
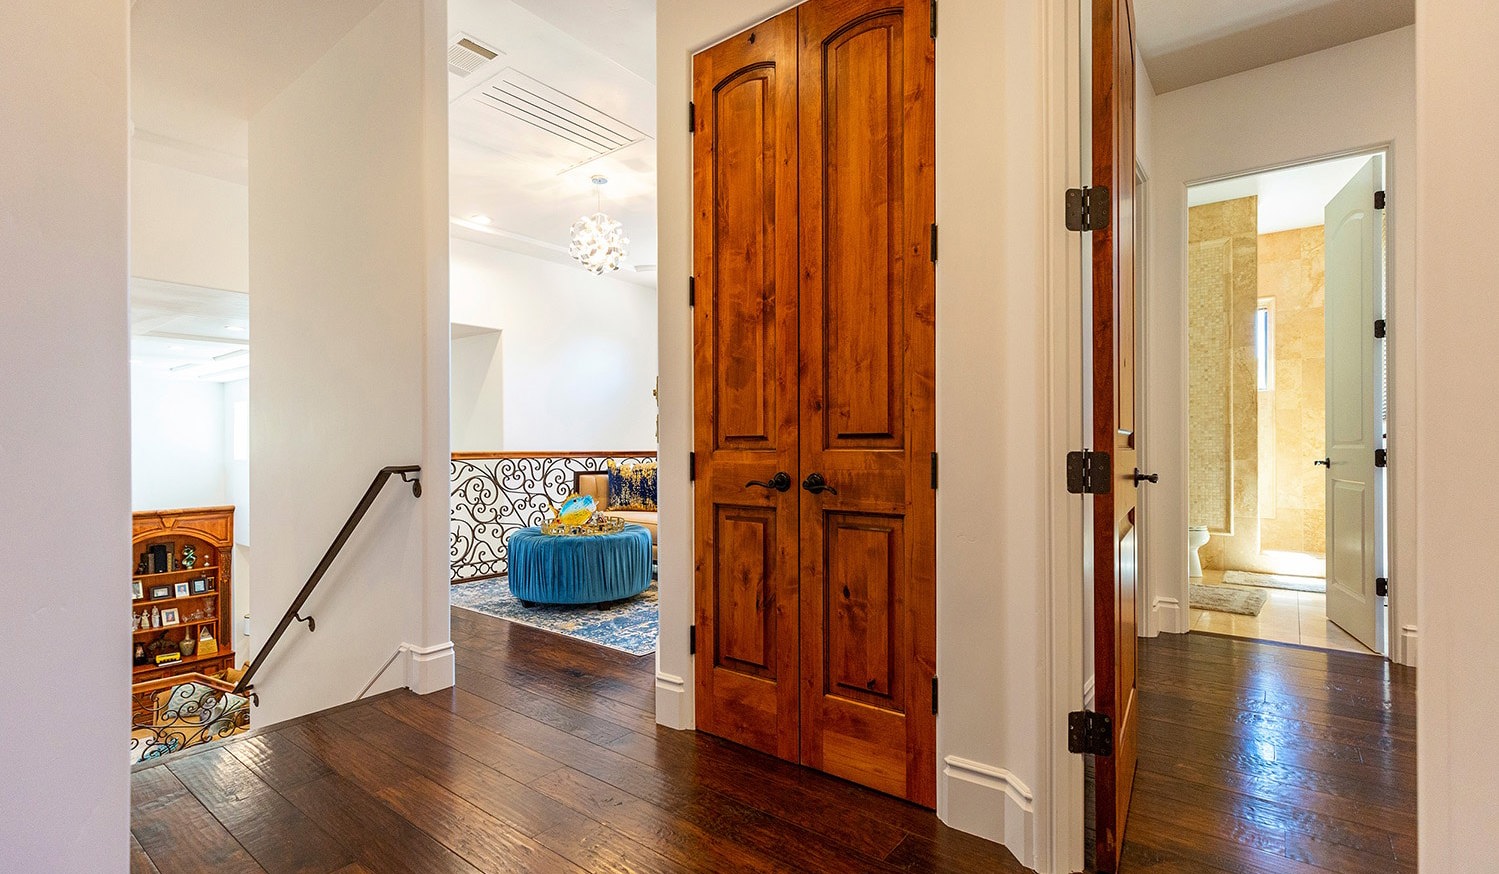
(934, 696)
(1087, 208)
(934, 19)
(1090, 733)
(691, 117)
(692, 467)
(1381, 329)
(1088, 473)
(933, 250)
(1381, 458)
(934, 470)
(692, 291)
(1382, 587)
(1379, 200)
(692, 640)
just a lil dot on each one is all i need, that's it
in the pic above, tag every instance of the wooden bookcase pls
(210, 532)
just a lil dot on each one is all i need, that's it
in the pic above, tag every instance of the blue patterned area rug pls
(630, 627)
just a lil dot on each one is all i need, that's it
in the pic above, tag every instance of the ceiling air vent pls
(466, 55)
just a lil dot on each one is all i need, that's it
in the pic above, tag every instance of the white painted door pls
(1355, 276)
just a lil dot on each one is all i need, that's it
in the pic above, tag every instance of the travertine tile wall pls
(1223, 440)
(1291, 265)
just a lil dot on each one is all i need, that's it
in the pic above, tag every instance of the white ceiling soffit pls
(188, 332)
(622, 30)
(1295, 197)
(1187, 42)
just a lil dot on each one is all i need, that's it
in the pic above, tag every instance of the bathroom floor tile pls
(1287, 617)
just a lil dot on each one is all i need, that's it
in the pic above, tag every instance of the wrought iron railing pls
(408, 473)
(497, 493)
(176, 713)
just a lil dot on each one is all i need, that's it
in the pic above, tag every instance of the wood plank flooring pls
(1261, 757)
(544, 758)
(1254, 758)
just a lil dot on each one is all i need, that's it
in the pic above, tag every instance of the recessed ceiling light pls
(234, 328)
(175, 348)
(135, 361)
(481, 219)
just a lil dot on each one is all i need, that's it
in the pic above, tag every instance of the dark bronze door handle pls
(780, 482)
(815, 484)
(1324, 462)
(1146, 477)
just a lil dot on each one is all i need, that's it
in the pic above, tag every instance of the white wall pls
(1350, 98)
(177, 451)
(188, 228)
(579, 351)
(478, 391)
(348, 246)
(1458, 706)
(1002, 129)
(65, 433)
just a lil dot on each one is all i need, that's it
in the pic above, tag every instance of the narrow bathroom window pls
(1264, 347)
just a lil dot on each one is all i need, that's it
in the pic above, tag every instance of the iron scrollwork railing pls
(181, 712)
(494, 495)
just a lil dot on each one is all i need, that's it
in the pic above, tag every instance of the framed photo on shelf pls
(179, 590)
(169, 617)
(160, 592)
(136, 590)
(200, 586)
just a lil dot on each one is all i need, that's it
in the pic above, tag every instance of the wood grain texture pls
(462, 781)
(745, 391)
(1114, 513)
(1324, 784)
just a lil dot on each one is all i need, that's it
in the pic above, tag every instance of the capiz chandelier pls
(598, 241)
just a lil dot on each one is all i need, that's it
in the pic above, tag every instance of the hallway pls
(545, 758)
(1262, 757)
(1253, 758)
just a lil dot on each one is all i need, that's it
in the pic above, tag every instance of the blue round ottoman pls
(581, 569)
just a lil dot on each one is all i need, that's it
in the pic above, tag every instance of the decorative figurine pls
(189, 556)
(155, 617)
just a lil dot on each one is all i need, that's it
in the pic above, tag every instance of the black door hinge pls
(691, 117)
(934, 696)
(692, 291)
(1379, 200)
(933, 250)
(1382, 587)
(1087, 208)
(1381, 329)
(1090, 733)
(692, 467)
(934, 470)
(691, 639)
(1088, 473)
(934, 19)
(1381, 458)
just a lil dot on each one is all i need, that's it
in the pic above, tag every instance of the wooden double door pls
(814, 379)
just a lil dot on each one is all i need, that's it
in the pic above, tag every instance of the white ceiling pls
(187, 332)
(571, 95)
(1295, 197)
(1186, 42)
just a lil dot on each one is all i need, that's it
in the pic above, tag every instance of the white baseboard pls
(1406, 655)
(430, 668)
(673, 704)
(992, 803)
(1167, 616)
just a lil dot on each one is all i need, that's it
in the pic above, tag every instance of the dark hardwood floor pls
(1253, 758)
(1261, 757)
(546, 757)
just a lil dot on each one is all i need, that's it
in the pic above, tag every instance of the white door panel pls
(1354, 273)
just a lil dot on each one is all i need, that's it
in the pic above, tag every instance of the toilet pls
(1197, 538)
